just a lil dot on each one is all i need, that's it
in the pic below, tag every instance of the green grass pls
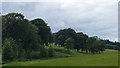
(108, 58)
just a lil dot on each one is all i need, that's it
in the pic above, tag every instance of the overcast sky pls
(92, 17)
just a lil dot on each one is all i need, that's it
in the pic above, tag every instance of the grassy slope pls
(108, 58)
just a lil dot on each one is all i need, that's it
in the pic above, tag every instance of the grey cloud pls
(99, 18)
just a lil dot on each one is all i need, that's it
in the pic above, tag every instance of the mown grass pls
(108, 58)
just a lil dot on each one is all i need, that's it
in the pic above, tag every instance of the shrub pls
(28, 54)
(9, 50)
(22, 54)
(35, 54)
(51, 52)
(43, 52)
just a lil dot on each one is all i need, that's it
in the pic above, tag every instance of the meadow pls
(107, 58)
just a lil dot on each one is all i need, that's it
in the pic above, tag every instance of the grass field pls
(108, 58)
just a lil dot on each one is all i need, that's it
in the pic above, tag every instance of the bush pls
(22, 54)
(35, 54)
(9, 50)
(67, 51)
(51, 52)
(28, 56)
(43, 52)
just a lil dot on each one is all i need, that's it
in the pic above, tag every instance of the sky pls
(92, 17)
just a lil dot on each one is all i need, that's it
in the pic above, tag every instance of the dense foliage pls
(26, 40)
(24, 37)
(81, 41)
(112, 45)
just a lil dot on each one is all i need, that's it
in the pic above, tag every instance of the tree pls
(81, 41)
(21, 30)
(60, 40)
(101, 45)
(90, 44)
(50, 38)
(62, 35)
(95, 45)
(9, 50)
(44, 31)
(11, 21)
(112, 45)
(69, 43)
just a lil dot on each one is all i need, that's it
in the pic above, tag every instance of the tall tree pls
(90, 44)
(44, 31)
(20, 29)
(101, 45)
(81, 41)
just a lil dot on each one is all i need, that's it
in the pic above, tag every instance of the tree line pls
(26, 39)
(112, 45)
(80, 41)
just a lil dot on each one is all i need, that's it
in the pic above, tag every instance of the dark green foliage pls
(21, 54)
(51, 52)
(9, 50)
(62, 35)
(43, 52)
(50, 38)
(25, 33)
(112, 45)
(25, 40)
(21, 30)
(28, 54)
(90, 44)
(115, 47)
(35, 54)
(67, 51)
(11, 22)
(69, 43)
(61, 40)
(81, 41)
(101, 45)
(43, 30)
(95, 46)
